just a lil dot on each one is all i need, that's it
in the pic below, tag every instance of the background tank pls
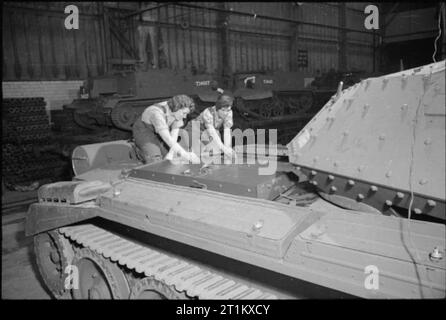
(117, 100)
(277, 100)
(381, 143)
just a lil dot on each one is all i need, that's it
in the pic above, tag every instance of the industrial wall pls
(36, 46)
(260, 44)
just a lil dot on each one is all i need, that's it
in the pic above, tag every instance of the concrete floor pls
(20, 279)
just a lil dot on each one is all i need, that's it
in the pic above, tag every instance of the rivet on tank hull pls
(314, 183)
(417, 211)
(257, 226)
(388, 203)
(400, 195)
(436, 255)
(373, 188)
(388, 174)
(350, 101)
(350, 182)
(427, 141)
(360, 197)
(423, 181)
(313, 173)
(330, 177)
(431, 203)
(333, 189)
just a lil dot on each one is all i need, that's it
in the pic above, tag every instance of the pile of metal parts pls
(27, 145)
(322, 225)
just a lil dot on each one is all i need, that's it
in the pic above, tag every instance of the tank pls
(276, 100)
(328, 222)
(115, 101)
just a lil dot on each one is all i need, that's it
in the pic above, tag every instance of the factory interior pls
(354, 93)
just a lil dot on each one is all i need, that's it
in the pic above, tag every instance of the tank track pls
(183, 275)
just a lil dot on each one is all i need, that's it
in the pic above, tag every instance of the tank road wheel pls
(151, 289)
(293, 105)
(99, 278)
(53, 254)
(305, 102)
(265, 109)
(278, 108)
(124, 116)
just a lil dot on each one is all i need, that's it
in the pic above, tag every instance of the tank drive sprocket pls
(53, 254)
(99, 278)
(150, 288)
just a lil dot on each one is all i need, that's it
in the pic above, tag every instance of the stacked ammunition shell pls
(26, 136)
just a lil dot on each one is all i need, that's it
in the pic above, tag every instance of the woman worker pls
(212, 119)
(156, 130)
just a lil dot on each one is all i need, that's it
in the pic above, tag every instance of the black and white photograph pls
(225, 151)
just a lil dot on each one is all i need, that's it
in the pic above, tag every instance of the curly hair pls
(181, 101)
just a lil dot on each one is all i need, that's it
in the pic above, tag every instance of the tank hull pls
(331, 249)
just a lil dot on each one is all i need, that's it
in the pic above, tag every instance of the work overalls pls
(150, 145)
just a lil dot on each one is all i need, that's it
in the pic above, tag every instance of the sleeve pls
(208, 118)
(156, 119)
(228, 122)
